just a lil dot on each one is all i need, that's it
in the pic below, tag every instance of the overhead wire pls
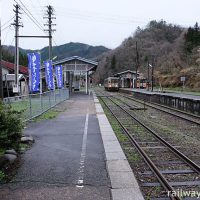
(7, 22)
(93, 16)
(6, 35)
(29, 14)
(5, 28)
(33, 5)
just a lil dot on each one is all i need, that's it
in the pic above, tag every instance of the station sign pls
(183, 78)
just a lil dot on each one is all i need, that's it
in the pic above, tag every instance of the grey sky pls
(96, 22)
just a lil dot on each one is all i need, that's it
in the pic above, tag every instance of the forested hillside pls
(170, 48)
(59, 52)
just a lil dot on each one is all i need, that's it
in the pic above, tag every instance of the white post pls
(86, 82)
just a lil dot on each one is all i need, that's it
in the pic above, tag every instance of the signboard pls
(59, 76)
(15, 89)
(34, 71)
(183, 78)
(49, 74)
(128, 75)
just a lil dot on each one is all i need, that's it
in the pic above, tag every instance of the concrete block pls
(126, 194)
(114, 145)
(115, 156)
(112, 149)
(123, 180)
(118, 166)
(110, 137)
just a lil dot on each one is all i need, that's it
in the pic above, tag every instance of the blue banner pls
(49, 74)
(59, 76)
(34, 71)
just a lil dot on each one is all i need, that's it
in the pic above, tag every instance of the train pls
(114, 83)
(111, 84)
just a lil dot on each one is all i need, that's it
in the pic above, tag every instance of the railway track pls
(185, 174)
(195, 119)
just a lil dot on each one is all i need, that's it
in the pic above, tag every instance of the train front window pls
(114, 81)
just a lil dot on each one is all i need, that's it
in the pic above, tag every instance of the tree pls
(10, 127)
(113, 62)
(192, 38)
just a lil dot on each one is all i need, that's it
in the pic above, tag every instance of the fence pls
(33, 105)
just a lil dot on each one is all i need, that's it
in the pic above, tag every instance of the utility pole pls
(137, 64)
(152, 73)
(1, 75)
(17, 24)
(50, 17)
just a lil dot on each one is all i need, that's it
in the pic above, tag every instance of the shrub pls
(10, 127)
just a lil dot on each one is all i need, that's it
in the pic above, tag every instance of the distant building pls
(8, 75)
(127, 79)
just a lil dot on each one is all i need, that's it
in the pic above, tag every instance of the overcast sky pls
(95, 22)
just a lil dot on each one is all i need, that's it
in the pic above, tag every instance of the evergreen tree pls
(192, 38)
(113, 63)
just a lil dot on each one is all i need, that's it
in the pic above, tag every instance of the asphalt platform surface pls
(67, 160)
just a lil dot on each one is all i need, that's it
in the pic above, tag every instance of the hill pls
(59, 52)
(161, 44)
(74, 49)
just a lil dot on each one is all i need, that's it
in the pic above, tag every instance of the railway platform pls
(76, 156)
(181, 101)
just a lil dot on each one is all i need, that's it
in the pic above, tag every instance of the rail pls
(159, 174)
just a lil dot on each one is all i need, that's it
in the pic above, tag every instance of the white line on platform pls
(83, 154)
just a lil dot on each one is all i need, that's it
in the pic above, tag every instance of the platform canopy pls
(77, 64)
(77, 71)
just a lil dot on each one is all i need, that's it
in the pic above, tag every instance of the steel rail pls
(193, 165)
(163, 181)
(174, 114)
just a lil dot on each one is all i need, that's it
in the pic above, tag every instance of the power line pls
(7, 21)
(6, 35)
(31, 17)
(5, 27)
(33, 5)
(99, 16)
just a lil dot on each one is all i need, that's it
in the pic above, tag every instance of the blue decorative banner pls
(59, 76)
(34, 71)
(49, 74)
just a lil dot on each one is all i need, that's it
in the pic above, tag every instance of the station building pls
(77, 72)
(127, 79)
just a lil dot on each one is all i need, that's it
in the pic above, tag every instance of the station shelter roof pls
(76, 63)
(125, 73)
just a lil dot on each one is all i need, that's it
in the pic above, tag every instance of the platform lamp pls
(148, 75)
(152, 76)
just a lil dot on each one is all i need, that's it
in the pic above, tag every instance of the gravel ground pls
(182, 134)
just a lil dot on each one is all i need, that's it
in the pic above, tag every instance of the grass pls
(2, 175)
(133, 157)
(2, 151)
(122, 137)
(50, 114)
(24, 146)
(20, 106)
